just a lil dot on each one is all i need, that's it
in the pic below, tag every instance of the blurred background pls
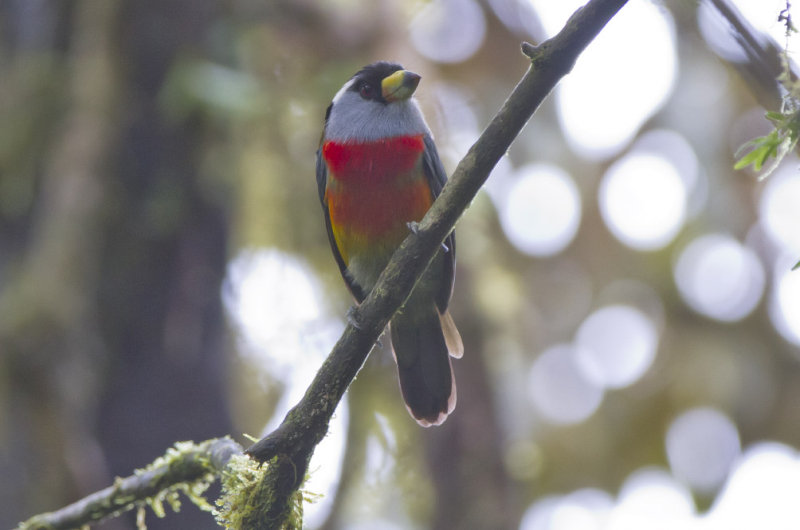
(630, 318)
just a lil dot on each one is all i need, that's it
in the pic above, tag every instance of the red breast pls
(374, 189)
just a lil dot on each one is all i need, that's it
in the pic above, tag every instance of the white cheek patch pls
(342, 91)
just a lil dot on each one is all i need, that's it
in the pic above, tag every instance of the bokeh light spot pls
(553, 15)
(584, 509)
(719, 277)
(643, 201)
(542, 210)
(449, 31)
(539, 514)
(615, 87)
(785, 303)
(761, 491)
(674, 147)
(269, 330)
(652, 499)
(702, 445)
(558, 388)
(616, 345)
(778, 208)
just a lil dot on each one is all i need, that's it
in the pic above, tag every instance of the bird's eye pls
(365, 91)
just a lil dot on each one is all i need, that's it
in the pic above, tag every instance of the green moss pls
(182, 460)
(185, 468)
(252, 497)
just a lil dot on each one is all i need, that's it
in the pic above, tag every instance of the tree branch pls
(763, 67)
(290, 446)
(184, 465)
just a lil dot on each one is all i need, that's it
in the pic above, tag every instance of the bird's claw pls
(414, 227)
(353, 317)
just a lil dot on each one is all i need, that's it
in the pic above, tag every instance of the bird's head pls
(377, 102)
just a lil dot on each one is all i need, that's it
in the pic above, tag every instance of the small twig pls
(764, 67)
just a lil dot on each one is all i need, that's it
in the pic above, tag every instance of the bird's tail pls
(423, 341)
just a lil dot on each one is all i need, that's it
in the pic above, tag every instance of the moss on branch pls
(186, 468)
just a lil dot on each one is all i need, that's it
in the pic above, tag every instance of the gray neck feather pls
(355, 119)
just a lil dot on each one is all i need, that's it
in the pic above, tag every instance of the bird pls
(378, 172)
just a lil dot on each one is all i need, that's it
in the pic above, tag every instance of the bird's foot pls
(413, 226)
(353, 317)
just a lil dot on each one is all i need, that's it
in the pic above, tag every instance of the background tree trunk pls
(112, 332)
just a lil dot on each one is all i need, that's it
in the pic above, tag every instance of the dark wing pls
(434, 171)
(322, 182)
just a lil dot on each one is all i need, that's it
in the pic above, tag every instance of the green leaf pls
(796, 266)
(774, 116)
(779, 153)
(762, 149)
(775, 145)
(750, 158)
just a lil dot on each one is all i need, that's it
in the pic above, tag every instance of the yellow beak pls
(400, 85)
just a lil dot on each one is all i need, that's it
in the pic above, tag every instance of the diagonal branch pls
(290, 446)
